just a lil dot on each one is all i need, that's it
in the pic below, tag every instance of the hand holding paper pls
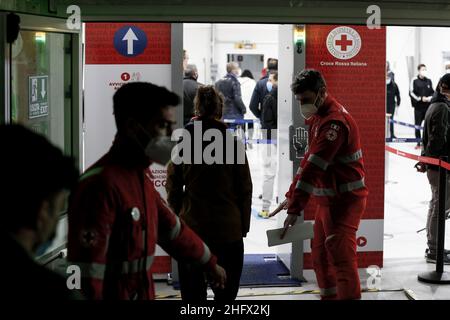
(298, 232)
(289, 221)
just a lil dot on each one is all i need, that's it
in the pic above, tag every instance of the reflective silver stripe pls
(91, 172)
(351, 158)
(318, 161)
(304, 186)
(91, 270)
(320, 192)
(206, 254)
(352, 186)
(328, 291)
(137, 265)
(175, 230)
(97, 270)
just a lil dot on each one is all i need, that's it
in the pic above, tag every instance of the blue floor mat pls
(263, 270)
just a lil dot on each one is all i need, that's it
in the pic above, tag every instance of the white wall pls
(197, 42)
(434, 42)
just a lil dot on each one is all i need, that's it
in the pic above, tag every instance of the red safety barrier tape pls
(427, 160)
(445, 165)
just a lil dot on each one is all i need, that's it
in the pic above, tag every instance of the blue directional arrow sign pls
(130, 41)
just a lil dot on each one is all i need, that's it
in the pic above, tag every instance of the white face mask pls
(159, 149)
(388, 80)
(309, 109)
(423, 73)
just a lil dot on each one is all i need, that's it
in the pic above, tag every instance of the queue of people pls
(116, 217)
(432, 109)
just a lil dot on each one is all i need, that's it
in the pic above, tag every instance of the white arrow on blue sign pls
(130, 41)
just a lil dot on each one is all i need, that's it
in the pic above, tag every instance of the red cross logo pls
(88, 238)
(361, 241)
(344, 42)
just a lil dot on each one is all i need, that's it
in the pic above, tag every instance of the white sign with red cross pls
(344, 43)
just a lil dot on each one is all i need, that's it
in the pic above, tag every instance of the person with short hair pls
(190, 86)
(420, 91)
(393, 100)
(332, 172)
(262, 88)
(116, 216)
(36, 179)
(229, 86)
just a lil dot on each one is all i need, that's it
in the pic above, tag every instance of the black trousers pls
(419, 116)
(391, 111)
(193, 283)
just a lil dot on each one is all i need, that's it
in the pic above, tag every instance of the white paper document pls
(298, 232)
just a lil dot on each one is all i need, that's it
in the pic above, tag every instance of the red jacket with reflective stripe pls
(116, 218)
(333, 168)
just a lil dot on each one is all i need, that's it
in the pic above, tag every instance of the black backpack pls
(268, 118)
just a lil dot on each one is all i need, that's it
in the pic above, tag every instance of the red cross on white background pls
(344, 42)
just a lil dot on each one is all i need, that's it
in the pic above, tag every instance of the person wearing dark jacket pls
(117, 217)
(420, 91)
(436, 143)
(269, 110)
(234, 108)
(190, 86)
(262, 88)
(392, 100)
(269, 113)
(32, 201)
(214, 199)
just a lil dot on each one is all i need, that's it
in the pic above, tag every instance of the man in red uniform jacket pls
(116, 216)
(333, 173)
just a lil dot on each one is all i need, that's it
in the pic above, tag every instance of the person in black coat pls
(269, 110)
(421, 91)
(190, 86)
(32, 201)
(262, 88)
(392, 100)
(230, 87)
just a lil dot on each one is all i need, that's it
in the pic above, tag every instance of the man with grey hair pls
(234, 108)
(190, 86)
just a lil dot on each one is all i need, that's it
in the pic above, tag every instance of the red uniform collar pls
(330, 105)
(128, 153)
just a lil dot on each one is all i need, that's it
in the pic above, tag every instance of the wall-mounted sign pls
(244, 45)
(130, 41)
(38, 96)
